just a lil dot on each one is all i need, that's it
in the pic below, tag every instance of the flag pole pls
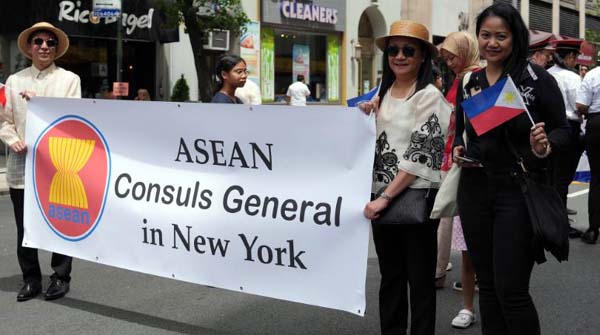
(523, 102)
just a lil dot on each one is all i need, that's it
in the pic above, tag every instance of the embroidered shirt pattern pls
(427, 145)
(386, 161)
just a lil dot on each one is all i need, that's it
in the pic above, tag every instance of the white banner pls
(264, 199)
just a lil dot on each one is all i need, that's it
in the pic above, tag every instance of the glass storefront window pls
(300, 53)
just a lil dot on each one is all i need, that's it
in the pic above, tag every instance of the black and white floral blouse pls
(411, 136)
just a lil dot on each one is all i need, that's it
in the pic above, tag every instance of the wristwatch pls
(385, 196)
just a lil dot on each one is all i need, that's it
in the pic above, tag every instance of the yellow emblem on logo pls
(69, 156)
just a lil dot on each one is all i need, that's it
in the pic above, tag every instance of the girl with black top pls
(494, 215)
(232, 73)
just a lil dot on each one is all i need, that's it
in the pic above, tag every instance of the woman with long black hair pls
(492, 207)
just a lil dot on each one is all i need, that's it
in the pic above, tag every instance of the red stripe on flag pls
(3, 96)
(492, 118)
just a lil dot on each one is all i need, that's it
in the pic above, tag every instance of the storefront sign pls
(301, 62)
(250, 50)
(141, 19)
(301, 11)
(69, 12)
(230, 196)
(333, 68)
(318, 14)
(106, 8)
(267, 64)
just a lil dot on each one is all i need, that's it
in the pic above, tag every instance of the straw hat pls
(63, 40)
(407, 28)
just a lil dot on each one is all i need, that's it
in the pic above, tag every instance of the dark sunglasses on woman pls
(407, 50)
(50, 42)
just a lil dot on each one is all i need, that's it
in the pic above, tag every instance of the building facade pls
(93, 43)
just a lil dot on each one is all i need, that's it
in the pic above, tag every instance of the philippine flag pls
(494, 106)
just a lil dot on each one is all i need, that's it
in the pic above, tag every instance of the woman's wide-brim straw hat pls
(407, 28)
(63, 40)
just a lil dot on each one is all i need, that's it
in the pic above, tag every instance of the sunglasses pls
(407, 51)
(50, 43)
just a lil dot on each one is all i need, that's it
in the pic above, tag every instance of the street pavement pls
(108, 300)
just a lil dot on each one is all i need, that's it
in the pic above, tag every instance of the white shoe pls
(449, 266)
(464, 319)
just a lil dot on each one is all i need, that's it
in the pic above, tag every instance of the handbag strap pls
(464, 81)
(515, 152)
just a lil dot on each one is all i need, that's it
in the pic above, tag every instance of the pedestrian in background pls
(142, 95)
(493, 211)
(437, 79)
(565, 162)
(588, 104)
(43, 44)
(231, 73)
(583, 69)
(412, 119)
(297, 92)
(461, 53)
(540, 53)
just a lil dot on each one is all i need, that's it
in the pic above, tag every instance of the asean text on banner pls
(224, 197)
(494, 106)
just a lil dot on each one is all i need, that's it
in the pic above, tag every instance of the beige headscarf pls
(464, 46)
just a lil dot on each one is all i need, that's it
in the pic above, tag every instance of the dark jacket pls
(545, 103)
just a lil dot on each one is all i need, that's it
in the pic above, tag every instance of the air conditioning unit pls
(217, 40)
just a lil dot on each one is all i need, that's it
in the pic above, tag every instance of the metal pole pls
(119, 49)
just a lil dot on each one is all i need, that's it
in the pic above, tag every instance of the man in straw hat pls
(42, 43)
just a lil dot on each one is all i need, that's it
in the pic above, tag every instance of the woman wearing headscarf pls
(412, 119)
(461, 53)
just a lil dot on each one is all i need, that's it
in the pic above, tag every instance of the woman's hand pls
(370, 106)
(539, 140)
(457, 151)
(373, 208)
(19, 147)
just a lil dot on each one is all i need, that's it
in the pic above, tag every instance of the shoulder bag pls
(408, 207)
(445, 205)
(547, 212)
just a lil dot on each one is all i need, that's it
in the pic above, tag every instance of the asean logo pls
(71, 172)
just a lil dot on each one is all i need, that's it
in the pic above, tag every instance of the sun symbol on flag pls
(509, 97)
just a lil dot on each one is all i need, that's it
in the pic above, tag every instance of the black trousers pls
(28, 257)
(407, 259)
(565, 161)
(498, 234)
(592, 146)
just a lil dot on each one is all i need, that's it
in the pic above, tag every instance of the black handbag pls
(409, 207)
(548, 215)
(547, 212)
